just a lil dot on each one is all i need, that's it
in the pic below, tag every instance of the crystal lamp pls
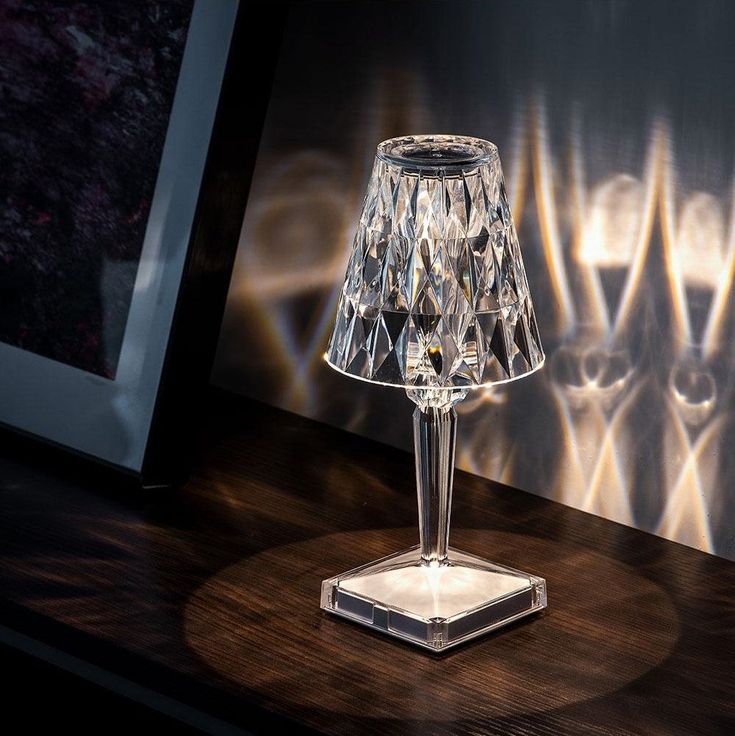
(435, 301)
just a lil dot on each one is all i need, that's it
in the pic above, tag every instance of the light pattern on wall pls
(630, 259)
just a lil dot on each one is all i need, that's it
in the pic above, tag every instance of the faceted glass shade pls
(435, 293)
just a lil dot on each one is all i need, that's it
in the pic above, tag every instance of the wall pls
(615, 125)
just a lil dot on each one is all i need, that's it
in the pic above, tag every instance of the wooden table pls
(203, 603)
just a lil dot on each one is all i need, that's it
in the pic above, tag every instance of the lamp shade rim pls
(451, 387)
(437, 152)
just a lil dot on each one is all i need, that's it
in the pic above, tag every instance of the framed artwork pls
(127, 143)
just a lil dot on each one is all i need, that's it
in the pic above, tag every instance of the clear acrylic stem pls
(434, 432)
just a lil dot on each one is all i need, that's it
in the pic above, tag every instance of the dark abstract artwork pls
(86, 90)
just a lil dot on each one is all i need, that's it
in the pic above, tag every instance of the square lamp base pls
(433, 606)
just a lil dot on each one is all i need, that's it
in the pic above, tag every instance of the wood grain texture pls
(210, 594)
(238, 619)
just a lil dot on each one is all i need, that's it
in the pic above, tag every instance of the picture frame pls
(140, 418)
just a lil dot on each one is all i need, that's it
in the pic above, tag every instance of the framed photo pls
(127, 139)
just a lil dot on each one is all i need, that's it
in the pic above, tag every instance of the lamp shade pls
(435, 293)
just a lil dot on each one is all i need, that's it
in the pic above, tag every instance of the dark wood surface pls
(203, 602)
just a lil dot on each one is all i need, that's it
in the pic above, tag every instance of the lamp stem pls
(434, 433)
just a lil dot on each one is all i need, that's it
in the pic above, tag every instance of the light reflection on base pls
(435, 606)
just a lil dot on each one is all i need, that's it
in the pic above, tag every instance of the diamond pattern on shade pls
(435, 292)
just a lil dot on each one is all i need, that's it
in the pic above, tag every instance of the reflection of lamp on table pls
(435, 301)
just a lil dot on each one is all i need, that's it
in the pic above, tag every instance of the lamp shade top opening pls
(428, 152)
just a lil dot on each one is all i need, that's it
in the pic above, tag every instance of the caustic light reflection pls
(634, 280)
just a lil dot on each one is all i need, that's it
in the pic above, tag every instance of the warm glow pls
(632, 281)
(613, 222)
(548, 220)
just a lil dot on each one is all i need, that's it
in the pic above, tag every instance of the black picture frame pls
(164, 422)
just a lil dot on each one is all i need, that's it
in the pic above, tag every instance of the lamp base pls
(433, 606)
